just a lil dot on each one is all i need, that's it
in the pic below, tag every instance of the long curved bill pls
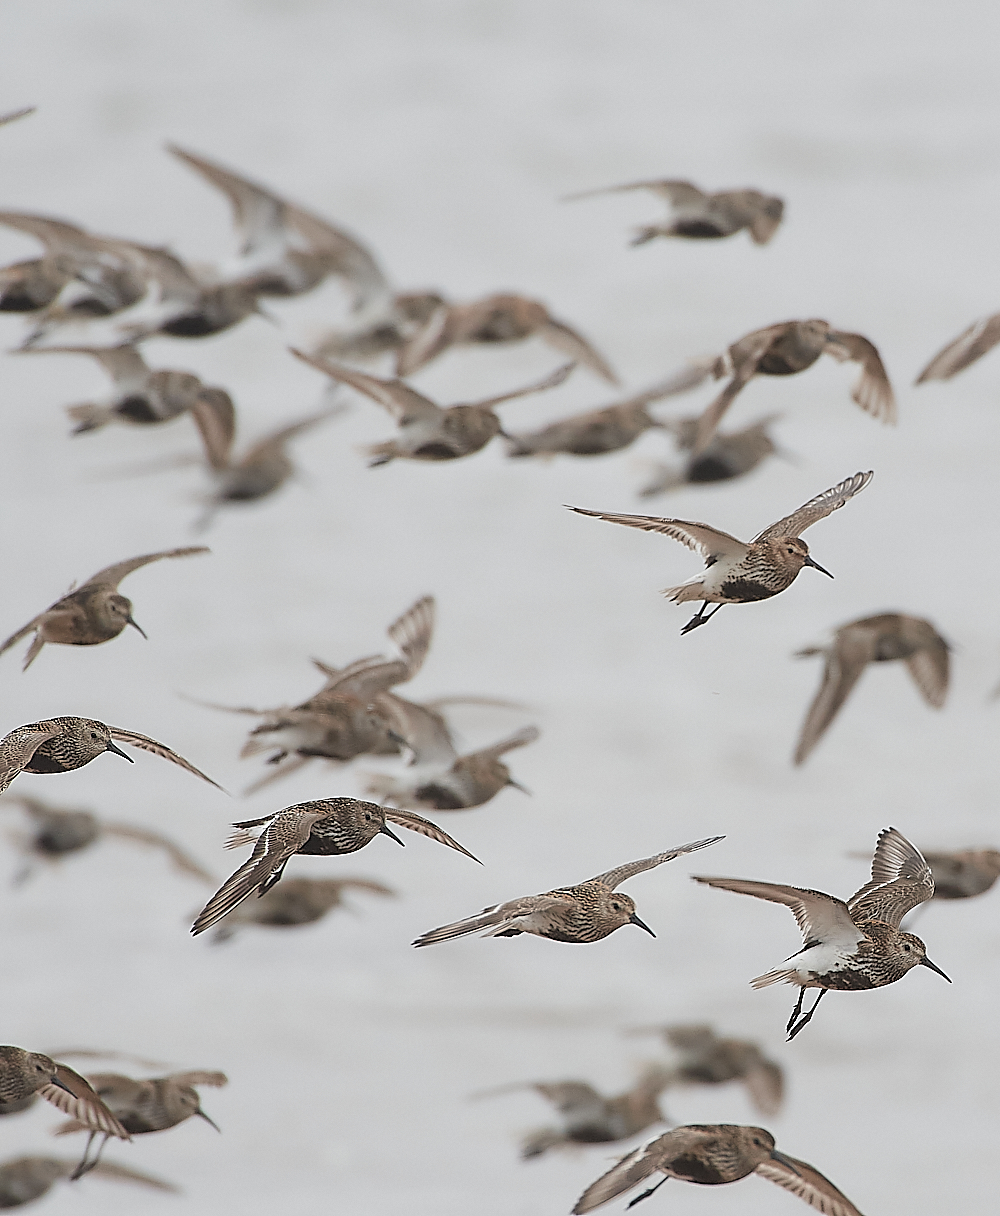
(132, 622)
(384, 829)
(634, 920)
(816, 566)
(118, 752)
(926, 962)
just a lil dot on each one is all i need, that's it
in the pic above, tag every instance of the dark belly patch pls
(440, 798)
(699, 230)
(744, 590)
(708, 468)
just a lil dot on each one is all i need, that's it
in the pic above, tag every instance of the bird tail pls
(88, 416)
(786, 975)
(684, 592)
(536, 1143)
(489, 918)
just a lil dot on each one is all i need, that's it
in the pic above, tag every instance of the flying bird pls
(970, 346)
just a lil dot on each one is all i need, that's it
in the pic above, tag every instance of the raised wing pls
(614, 878)
(901, 879)
(257, 213)
(182, 860)
(158, 749)
(710, 542)
(930, 666)
(111, 576)
(809, 1184)
(820, 917)
(873, 392)
(565, 339)
(124, 364)
(424, 729)
(752, 349)
(404, 403)
(768, 212)
(852, 650)
(551, 381)
(272, 444)
(17, 748)
(347, 258)
(412, 632)
(215, 417)
(520, 738)
(817, 508)
(417, 823)
(765, 1084)
(74, 1096)
(576, 1100)
(674, 192)
(647, 1159)
(215, 1079)
(435, 335)
(972, 344)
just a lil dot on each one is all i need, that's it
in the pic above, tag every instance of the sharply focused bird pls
(586, 912)
(496, 319)
(712, 1154)
(59, 832)
(700, 216)
(588, 1117)
(738, 572)
(855, 945)
(874, 639)
(428, 431)
(95, 612)
(59, 745)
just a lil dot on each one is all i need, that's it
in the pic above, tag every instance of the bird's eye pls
(907, 948)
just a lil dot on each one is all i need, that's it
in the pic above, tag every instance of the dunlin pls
(326, 827)
(24, 1073)
(588, 1117)
(703, 1058)
(91, 614)
(428, 431)
(369, 339)
(874, 639)
(143, 1106)
(855, 945)
(471, 780)
(492, 320)
(729, 454)
(586, 912)
(970, 345)
(962, 874)
(59, 832)
(739, 573)
(59, 745)
(791, 347)
(25, 1179)
(712, 1154)
(297, 901)
(698, 215)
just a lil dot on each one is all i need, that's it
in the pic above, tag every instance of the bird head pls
(619, 910)
(794, 552)
(912, 952)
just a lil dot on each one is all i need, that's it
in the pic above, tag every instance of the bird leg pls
(700, 618)
(86, 1166)
(806, 1018)
(646, 1194)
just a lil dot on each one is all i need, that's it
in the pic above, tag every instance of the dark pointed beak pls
(926, 962)
(201, 1115)
(816, 566)
(118, 752)
(785, 1161)
(518, 786)
(135, 626)
(60, 1085)
(634, 920)
(384, 829)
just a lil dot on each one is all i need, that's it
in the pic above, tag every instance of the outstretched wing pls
(111, 576)
(272, 444)
(551, 381)
(497, 918)
(158, 749)
(266, 858)
(710, 542)
(901, 879)
(821, 917)
(817, 508)
(121, 1173)
(74, 1096)
(614, 878)
(567, 341)
(972, 344)
(647, 1159)
(182, 860)
(520, 738)
(873, 392)
(404, 403)
(852, 650)
(216, 1079)
(929, 666)
(17, 748)
(752, 348)
(215, 417)
(435, 335)
(258, 215)
(412, 632)
(801, 1179)
(674, 192)
(417, 823)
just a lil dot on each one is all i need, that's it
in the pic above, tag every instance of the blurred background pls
(443, 135)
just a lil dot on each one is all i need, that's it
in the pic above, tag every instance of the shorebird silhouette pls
(25, 1179)
(738, 572)
(297, 901)
(730, 454)
(855, 945)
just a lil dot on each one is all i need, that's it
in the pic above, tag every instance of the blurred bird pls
(703, 1058)
(874, 639)
(713, 1154)
(586, 912)
(13, 115)
(604, 430)
(970, 346)
(587, 1116)
(380, 335)
(25, 1073)
(963, 874)
(855, 945)
(786, 349)
(25, 1179)
(59, 831)
(140, 397)
(700, 216)
(264, 468)
(471, 780)
(91, 614)
(496, 319)
(326, 827)
(143, 1106)
(739, 573)
(59, 745)
(729, 454)
(297, 901)
(428, 431)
